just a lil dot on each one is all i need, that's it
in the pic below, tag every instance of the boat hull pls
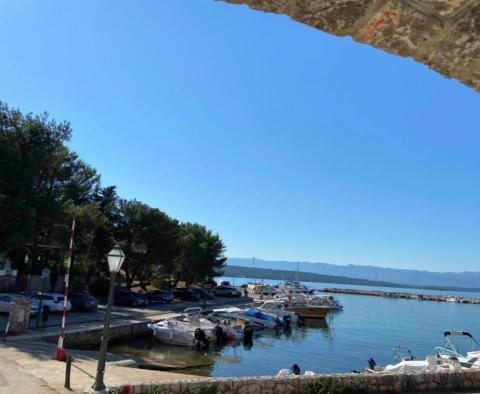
(309, 312)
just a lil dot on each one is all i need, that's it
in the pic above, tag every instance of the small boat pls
(446, 358)
(226, 328)
(309, 311)
(232, 314)
(328, 301)
(451, 299)
(293, 287)
(187, 330)
(263, 290)
(450, 351)
(257, 317)
(278, 309)
(305, 308)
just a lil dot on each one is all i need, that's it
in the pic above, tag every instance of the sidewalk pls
(30, 367)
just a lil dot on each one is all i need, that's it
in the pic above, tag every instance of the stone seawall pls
(318, 384)
(87, 338)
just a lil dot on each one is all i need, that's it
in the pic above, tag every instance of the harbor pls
(340, 343)
(337, 347)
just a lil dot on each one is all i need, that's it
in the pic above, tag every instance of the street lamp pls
(115, 259)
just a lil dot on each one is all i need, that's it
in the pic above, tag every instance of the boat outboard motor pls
(248, 334)
(371, 363)
(295, 369)
(287, 321)
(200, 337)
(220, 334)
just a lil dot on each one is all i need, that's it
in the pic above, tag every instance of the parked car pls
(164, 296)
(186, 293)
(204, 294)
(227, 291)
(128, 298)
(51, 302)
(83, 302)
(6, 301)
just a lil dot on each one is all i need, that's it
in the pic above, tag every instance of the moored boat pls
(258, 317)
(278, 309)
(307, 311)
(187, 330)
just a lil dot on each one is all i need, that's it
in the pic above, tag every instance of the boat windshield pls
(458, 343)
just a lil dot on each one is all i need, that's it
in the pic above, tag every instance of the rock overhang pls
(442, 34)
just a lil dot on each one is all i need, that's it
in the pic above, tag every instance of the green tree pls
(202, 254)
(39, 179)
(149, 238)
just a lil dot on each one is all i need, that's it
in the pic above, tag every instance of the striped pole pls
(61, 356)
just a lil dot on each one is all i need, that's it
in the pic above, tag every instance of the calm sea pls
(367, 327)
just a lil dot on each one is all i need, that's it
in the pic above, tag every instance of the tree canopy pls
(43, 183)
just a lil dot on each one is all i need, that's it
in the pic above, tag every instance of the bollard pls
(68, 369)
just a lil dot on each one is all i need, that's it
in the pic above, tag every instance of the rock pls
(442, 34)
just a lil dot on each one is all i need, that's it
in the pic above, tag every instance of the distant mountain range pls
(414, 278)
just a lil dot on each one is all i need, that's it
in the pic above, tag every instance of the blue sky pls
(290, 143)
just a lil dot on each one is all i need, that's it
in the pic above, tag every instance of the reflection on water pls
(222, 360)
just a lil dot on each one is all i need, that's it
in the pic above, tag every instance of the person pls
(245, 292)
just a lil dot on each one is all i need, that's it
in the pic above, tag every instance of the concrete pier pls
(405, 295)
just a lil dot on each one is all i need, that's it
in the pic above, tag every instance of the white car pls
(51, 302)
(6, 301)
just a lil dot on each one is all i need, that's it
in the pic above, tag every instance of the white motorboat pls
(258, 317)
(446, 358)
(187, 330)
(227, 330)
(302, 305)
(328, 301)
(262, 290)
(234, 315)
(294, 287)
(278, 309)
(450, 351)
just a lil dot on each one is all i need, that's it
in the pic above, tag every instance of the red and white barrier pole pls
(61, 356)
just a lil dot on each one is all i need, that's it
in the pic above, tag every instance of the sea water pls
(366, 327)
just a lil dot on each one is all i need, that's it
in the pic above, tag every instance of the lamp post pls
(115, 259)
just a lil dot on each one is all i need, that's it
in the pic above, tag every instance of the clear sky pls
(290, 143)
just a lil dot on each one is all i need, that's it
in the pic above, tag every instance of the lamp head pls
(115, 259)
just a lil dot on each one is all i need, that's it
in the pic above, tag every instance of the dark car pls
(186, 293)
(128, 298)
(204, 294)
(83, 302)
(160, 296)
(227, 291)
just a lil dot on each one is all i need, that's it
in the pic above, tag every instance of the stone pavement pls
(30, 367)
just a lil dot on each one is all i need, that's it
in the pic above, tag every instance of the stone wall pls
(333, 384)
(91, 338)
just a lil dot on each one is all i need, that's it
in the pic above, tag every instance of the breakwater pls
(405, 295)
